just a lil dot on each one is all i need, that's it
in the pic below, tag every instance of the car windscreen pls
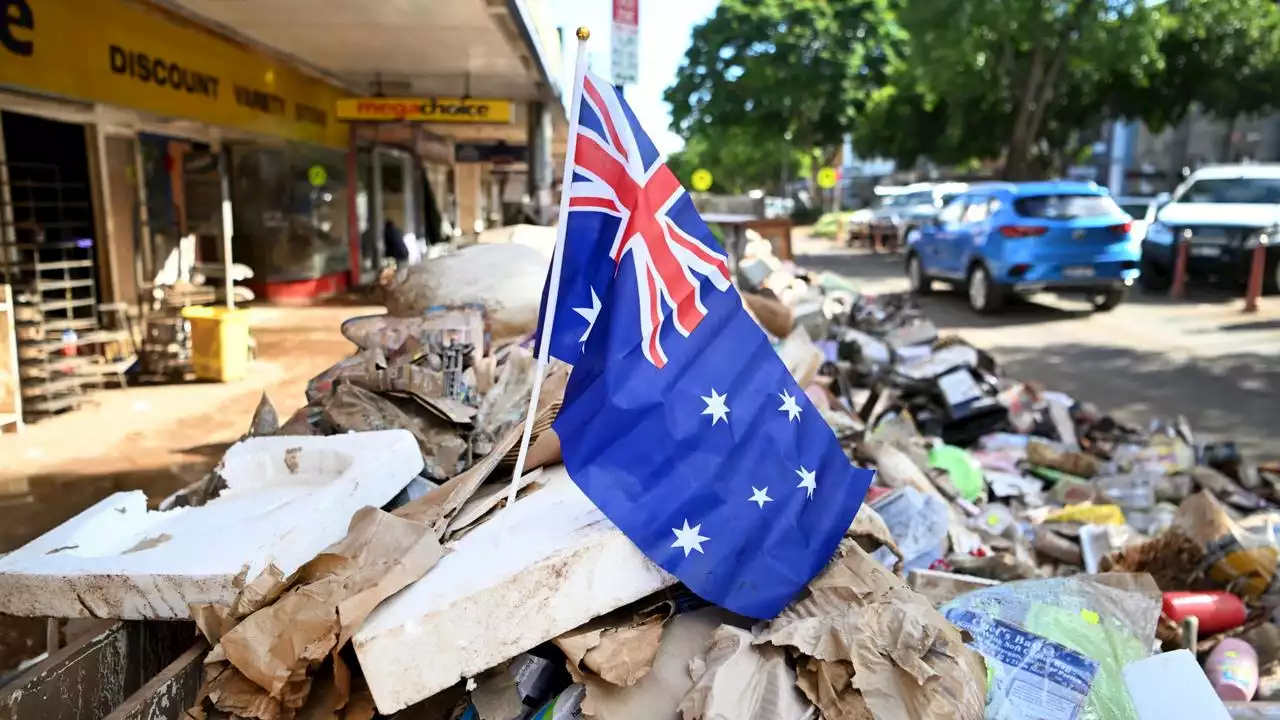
(1065, 206)
(917, 198)
(1254, 191)
(1137, 211)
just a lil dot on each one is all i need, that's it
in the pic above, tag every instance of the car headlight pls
(1262, 238)
(1159, 233)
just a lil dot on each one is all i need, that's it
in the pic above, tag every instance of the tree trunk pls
(1224, 150)
(1019, 142)
(1038, 94)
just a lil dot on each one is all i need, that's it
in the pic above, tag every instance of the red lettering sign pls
(626, 12)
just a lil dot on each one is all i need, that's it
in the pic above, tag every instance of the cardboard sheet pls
(263, 666)
(869, 646)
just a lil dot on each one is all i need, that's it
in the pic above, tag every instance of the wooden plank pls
(167, 695)
(91, 677)
(10, 382)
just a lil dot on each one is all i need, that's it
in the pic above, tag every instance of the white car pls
(1222, 212)
(1143, 211)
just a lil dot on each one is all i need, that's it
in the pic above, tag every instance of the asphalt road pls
(1149, 358)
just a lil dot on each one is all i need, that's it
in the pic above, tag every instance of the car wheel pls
(1151, 278)
(1107, 301)
(985, 296)
(921, 284)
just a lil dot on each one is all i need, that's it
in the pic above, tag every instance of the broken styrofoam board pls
(1172, 685)
(540, 568)
(287, 498)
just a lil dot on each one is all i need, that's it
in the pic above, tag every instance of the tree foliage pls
(790, 70)
(958, 80)
(738, 159)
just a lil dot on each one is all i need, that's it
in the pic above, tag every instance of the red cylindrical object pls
(1256, 272)
(1216, 610)
(1179, 286)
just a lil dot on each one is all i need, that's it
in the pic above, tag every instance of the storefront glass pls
(290, 211)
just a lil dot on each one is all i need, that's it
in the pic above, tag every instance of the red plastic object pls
(1216, 610)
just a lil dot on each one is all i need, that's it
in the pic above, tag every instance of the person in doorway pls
(393, 244)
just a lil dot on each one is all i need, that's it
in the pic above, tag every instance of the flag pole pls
(557, 259)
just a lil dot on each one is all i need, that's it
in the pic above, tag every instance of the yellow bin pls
(219, 342)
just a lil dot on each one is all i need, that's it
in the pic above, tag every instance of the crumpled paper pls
(867, 646)
(733, 679)
(350, 407)
(270, 644)
(437, 508)
(618, 651)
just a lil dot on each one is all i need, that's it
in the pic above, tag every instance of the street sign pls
(701, 180)
(317, 175)
(626, 42)
(827, 178)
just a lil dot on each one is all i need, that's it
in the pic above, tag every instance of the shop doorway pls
(396, 218)
(48, 254)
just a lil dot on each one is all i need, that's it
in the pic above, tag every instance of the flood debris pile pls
(1021, 554)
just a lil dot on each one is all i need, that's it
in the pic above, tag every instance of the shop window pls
(290, 211)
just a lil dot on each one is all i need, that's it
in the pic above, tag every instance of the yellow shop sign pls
(442, 110)
(122, 53)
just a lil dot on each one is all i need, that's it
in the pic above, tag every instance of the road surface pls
(1149, 358)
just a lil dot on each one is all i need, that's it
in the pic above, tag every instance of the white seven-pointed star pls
(760, 496)
(716, 407)
(688, 539)
(789, 406)
(590, 314)
(808, 480)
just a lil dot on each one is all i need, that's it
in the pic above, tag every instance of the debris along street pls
(1050, 560)
(616, 469)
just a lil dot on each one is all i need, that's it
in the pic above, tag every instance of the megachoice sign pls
(436, 109)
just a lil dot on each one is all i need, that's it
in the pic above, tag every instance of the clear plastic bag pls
(1109, 618)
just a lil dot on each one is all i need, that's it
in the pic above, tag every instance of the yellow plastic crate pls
(219, 342)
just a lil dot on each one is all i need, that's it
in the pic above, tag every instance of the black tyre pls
(1107, 301)
(921, 284)
(1152, 278)
(984, 294)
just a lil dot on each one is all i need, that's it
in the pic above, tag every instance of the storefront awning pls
(477, 48)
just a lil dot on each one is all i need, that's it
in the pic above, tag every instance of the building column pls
(540, 162)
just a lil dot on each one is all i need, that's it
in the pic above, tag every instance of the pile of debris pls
(1021, 554)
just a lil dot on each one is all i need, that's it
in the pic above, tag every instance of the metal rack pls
(47, 255)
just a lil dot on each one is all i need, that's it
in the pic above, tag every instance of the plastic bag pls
(1109, 618)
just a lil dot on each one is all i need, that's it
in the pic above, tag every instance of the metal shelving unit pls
(47, 256)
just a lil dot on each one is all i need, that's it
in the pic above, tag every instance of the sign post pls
(626, 42)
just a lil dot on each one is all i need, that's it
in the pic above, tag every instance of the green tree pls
(1010, 63)
(737, 159)
(1220, 55)
(797, 69)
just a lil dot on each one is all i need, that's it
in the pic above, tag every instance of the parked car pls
(1143, 211)
(999, 239)
(862, 221)
(921, 204)
(1223, 213)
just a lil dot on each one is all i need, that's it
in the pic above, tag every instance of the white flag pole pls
(557, 258)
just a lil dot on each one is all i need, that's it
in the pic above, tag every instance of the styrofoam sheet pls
(287, 498)
(544, 566)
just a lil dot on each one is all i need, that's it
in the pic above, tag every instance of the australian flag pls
(680, 421)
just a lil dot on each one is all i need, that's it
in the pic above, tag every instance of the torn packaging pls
(736, 680)
(906, 660)
(277, 647)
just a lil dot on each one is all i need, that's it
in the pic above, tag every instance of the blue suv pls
(1004, 238)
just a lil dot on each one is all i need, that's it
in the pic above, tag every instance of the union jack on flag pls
(680, 422)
